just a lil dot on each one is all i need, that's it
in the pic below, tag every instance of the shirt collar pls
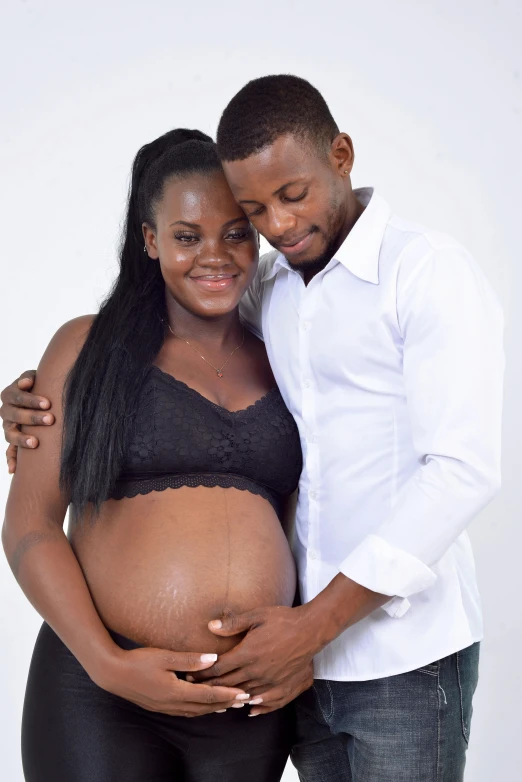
(359, 252)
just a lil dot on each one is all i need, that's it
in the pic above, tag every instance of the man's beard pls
(315, 265)
(334, 241)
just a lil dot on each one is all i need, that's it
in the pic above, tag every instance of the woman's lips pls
(300, 246)
(215, 283)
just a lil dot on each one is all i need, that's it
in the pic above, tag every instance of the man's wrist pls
(340, 605)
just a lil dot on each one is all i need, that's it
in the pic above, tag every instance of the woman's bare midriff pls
(162, 565)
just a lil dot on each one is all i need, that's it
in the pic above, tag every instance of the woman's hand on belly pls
(147, 677)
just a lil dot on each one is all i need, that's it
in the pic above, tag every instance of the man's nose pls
(279, 222)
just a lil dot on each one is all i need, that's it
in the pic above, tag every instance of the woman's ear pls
(149, 237)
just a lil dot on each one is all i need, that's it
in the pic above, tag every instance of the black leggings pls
(73, 731)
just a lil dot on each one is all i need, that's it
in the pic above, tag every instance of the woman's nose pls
(214, 254)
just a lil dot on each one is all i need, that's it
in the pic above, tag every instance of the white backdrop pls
(430, 91)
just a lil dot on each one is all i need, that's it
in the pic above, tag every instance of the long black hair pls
(102, 389)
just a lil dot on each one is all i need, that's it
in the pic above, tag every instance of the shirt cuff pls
(397, 607)
(379, 566)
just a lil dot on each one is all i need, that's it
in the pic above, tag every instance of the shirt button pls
(312, 554)
(307, 383)
(312, 495)
(304, 325)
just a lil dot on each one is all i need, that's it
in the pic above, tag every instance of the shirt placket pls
(307, 309)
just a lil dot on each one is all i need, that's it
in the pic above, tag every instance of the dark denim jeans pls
(408, 728)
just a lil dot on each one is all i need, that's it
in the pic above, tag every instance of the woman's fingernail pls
(208, 658)
(254, 715)
(255, 701)
(242, 697)
(29, 443)
(237, 705)
(44, 405)
(220, 711)
(216, 624)
(47, 419)
(190, 678)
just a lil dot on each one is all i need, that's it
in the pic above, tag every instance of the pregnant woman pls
(174, 452)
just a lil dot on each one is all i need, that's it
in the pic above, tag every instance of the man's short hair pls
(270, 107)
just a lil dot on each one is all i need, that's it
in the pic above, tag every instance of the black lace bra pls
(181, 438)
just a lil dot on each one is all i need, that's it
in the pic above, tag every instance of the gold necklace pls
(217, 370)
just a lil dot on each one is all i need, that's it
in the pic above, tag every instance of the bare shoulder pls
(53, 369)
(69, 339)
(61, 353)
(73, 333)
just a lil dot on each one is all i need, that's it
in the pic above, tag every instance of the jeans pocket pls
(432, 669)
(325, 699)
(467, 678)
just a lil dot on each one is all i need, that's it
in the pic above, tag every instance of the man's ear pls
(342, 154)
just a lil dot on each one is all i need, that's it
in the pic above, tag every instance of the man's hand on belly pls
(274, 659)
(275, 656)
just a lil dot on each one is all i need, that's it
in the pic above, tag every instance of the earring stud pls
(144, 248)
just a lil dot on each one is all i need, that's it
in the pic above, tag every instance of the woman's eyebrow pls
(238, 219)
(241, 219)
(183, 222)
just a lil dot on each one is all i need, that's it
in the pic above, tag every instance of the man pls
(386, 342)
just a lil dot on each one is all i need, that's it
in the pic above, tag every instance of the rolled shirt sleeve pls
(453, 360)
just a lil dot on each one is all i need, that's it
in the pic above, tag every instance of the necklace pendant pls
(219, 373)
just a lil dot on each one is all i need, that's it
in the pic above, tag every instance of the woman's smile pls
(214, 282)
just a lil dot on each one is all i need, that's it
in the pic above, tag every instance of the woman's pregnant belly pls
(160, 566)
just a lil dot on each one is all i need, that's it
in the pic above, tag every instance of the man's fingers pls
(16, 438)
(26, 380)
(253, 686)
(25, 417)
(232, 661)
(269, 701)
(234, 679)
(19, 398)
(189, 661)
(11, 459)
(233, 624)
(202, 693)
(278, 696)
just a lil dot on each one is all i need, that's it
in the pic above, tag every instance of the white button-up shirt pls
(391, 362)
